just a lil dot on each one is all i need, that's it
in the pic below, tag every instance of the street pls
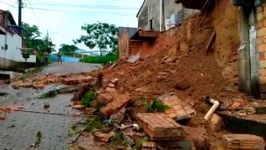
(18, 131)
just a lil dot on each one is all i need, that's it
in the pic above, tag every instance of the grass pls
(95, 123)
(89, 96)
(156, 106)
(100, 59)
(118, 139)
(34, 70)
(72, 130)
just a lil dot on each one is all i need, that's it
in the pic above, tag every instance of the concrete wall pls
(12, 54)
(151, 10)
(123, 45)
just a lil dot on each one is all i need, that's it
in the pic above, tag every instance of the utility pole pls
(20, 12)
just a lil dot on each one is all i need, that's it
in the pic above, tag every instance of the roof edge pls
(141, 8)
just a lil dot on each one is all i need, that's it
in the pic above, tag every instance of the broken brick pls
(243, 141)
(120, 101)
(160, 127)
(216, 123)
(179, 110)
(77, 80)
(149, 146)
(104, 98)
(198, 135)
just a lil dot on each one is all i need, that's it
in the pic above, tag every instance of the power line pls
(8, 4)
(34, 12)
(89, 6)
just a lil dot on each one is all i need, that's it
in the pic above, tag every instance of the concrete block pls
(179, 109)
(262, 48)
(260, 16)
(160, 127)
(262, 64)
(262, 32)
(243, 141)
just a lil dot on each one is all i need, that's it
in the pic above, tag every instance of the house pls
(161, 15)
(11, 44)
(154, 16)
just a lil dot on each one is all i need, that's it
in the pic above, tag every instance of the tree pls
(100, 35)
(68, 48)
(32, 37)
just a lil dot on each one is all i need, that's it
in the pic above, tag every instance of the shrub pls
(156, 106)
(89, 96)
(110, 57)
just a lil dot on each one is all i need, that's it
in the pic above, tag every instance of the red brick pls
(261, 56)
(160, 127)
(260, 9)
(149, 146)
(262, 71)
(179, 110)
(260, 24)
(198, 135)
(118, 102)
(243, 141)
(261, 40)
(262, 48)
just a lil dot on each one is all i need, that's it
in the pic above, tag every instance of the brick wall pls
(123, 45)
(261, 45)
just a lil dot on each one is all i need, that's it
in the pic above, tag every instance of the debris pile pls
(40, 82)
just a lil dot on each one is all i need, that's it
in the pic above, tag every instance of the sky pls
(63, 19)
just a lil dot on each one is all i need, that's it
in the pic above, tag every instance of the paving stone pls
(179, 110)
(243, 141)
(160, 127)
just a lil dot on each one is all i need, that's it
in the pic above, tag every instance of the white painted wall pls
(13, 52)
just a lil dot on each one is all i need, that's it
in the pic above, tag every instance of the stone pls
(243, 141)
(149, 146)
(118, 118)
(160, 127)
(103, 137)
(182, 84)
(78, 106)
(2, 117)
(120, 101)
(114, 80)
(198, 135)
(46, 105)
(105, 98)
(111, 85)
(90, 111)
(216, 123)
(179, 110)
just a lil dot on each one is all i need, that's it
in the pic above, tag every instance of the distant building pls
(11, 44)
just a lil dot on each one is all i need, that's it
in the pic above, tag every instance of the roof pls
(130, 30)
(10, 17)
(144, 1)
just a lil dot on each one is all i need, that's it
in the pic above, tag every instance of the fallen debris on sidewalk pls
(160, 127)
(243, 141)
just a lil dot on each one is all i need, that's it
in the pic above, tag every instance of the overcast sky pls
(63, 18)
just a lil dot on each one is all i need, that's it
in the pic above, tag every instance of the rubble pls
(243, 141)
(160, 127)
(216, 123)
(119, 102)
(149, 146)
(182, 84)
(198, 135)
(103, 137)
(179, 110)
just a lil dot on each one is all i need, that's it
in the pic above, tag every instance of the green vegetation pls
(118, 139)
(100, 59)
(100, 35)
(89, 96)
(33, 70)
(94, 123)
(139, 143)
(156, 106)
(38, 138)
(72, 130)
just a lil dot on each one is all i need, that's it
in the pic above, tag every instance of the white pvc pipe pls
(212, 110)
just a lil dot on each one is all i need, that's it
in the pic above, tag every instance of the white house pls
(11, 44)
